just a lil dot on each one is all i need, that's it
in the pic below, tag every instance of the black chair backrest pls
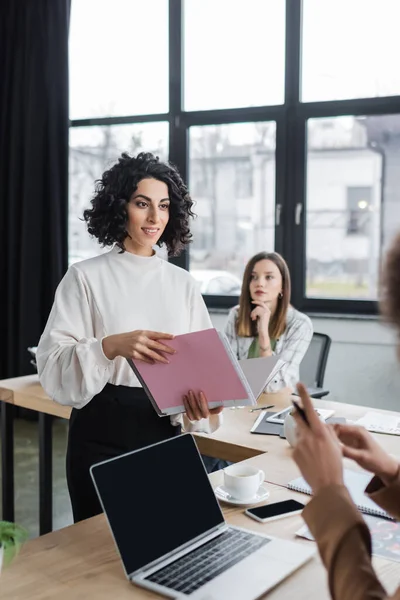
(313, 365)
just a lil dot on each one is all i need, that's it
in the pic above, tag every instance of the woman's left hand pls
(196, 407)
(318, 452)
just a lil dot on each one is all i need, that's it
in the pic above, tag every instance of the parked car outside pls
(213, 281)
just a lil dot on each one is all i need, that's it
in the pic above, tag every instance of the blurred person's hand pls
(317, 452)
(360, 446)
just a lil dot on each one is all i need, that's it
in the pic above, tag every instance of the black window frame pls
(290, 157)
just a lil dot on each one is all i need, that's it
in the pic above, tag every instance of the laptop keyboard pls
(196, 568)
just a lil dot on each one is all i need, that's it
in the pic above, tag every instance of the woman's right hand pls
(141, 345)
(360, 446)
(261, 312)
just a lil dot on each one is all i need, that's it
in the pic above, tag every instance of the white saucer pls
(223, 494)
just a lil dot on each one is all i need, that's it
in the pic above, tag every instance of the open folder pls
(204, 361)
(259, 372)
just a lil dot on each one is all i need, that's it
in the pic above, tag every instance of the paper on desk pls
(380, 423)
(305, 533)
(385, 537)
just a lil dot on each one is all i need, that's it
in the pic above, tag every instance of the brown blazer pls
(344, 541)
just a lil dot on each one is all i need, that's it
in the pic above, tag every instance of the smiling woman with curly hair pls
(107, 219)
(114, 307)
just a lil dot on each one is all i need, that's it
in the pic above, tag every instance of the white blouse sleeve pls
(294, 347)
(230, 331)
(71, 364)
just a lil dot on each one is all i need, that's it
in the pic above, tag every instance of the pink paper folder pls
(204, 361)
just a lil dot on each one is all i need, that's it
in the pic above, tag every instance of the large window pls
(234, 170)
(350, 49)
(234, 53)
(353, 202)
(118, 58)
(282, 116)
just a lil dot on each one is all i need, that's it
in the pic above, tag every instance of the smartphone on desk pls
(277, 510)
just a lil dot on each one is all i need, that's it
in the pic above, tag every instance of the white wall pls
(362, 366)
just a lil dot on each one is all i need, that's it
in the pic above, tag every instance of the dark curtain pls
(33, 171)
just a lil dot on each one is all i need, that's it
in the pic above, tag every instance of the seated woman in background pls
(264, 323)
(342, 535)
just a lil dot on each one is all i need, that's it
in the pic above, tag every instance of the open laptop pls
(171, 534)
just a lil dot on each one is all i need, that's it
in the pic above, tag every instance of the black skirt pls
(118, 420)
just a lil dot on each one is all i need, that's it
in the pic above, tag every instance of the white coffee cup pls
(290, 429)
(242, 481)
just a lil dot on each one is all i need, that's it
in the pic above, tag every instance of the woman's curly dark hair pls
(107, 218)
(390, 285)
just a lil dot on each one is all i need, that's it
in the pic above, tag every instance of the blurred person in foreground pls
(343, 538)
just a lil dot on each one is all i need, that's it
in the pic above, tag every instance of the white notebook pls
(356, 483)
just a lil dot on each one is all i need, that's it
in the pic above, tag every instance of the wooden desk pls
(26, 392)
(233, 441)
(81, 562)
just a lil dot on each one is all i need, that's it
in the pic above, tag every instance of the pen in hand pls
(300, 411)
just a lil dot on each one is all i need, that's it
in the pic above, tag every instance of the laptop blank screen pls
(156, 499)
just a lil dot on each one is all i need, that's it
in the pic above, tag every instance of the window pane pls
(232, 180)
(350, 49)
(92, 151)
(118, 56)
(234, 53)
(353, 203)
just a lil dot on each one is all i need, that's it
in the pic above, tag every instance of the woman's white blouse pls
(109, 294)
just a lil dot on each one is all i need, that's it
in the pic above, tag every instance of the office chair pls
(313, 365)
